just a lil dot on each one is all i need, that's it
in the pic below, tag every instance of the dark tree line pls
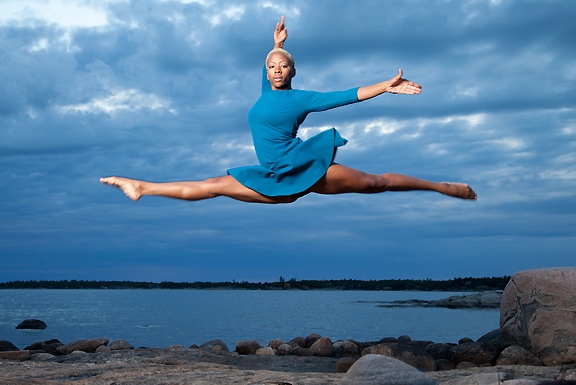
(456, 284)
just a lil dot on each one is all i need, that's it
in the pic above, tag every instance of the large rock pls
(212, 344)
(297, 342)
(517, 355)
(247, 347)
(322, 347)
(310, 339)
(88, 346)
(375, 369)
(538, 313)
(19, 355)
(32, 324)
(439, 351)
(408, 354)
(120, 345)
(7, 346)
(284, 350)
(475, 352)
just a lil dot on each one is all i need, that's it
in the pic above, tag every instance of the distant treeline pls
(456, 284)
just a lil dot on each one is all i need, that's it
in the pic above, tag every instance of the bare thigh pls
(230, 187)
(341, 179)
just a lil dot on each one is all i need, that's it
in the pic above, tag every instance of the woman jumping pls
(289, 167)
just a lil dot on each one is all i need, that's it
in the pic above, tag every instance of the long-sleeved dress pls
(289, 165)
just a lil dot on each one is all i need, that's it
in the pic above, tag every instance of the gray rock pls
(538, 313)
(408, 354)
(88, 346)
(476, 379)
(181, 347)
(284, 350)
(475, 352)
(322, 347)
(375, 369)
(404, 338)
(465, 340)
(443, 364)
(466, 365)
(247, 347)
(32, 324)
(213, 343)
(337, 348)
(275, 343)
(120, 345)
(7, 346)
(344, 364)
(486, 299)
(350, 349)
(516, 355)
(569, 375)
(103, 349)
(439, 351)
(309, 341)
(302, 352)
(19, 355)
(298, 341)
(41, 356)
(267, 351)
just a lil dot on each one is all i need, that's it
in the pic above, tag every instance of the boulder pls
(103, 349)
(337, 348)
(464, 340)
(516, 355)
(7, 346)
(120, 345)
(443, 364)
(41, 356)
(404, 338)
(32, 324)
(267, 351)
(309, 341)
(275, 343)
(375, 369)
(88, 346)
(210, 345)
(538, 313)
(322, 347)
(247, 347)
(475, 352)
(408, 354)
(302, 352)
(298, 341)
(344, 364)
(492, 340)
(52, 346)
(284, 350)
(19, 355)
(466, 365)
(479, 379)
(350, 349)
(486, 299)
(439, 351)
(178, 347)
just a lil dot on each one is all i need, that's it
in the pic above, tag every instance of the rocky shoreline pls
(536, 343)
(311, 360)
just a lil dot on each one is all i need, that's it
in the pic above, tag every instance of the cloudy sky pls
(159, 90)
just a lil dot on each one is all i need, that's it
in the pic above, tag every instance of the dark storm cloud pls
(161, 93)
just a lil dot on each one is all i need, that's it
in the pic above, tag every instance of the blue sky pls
(160, 90)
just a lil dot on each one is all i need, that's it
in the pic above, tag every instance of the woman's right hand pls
(280, 34)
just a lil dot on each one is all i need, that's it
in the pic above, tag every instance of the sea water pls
(160, 318)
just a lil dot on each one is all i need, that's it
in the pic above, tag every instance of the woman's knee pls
(375, 183)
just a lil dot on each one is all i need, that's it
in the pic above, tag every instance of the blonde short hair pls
(283, 52)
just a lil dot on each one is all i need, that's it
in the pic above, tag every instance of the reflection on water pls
(157, 318)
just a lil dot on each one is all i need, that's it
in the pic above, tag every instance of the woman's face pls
(280, 73)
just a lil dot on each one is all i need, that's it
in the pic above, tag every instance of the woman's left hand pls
(398, 85)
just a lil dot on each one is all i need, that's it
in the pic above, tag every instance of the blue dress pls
(289, 165)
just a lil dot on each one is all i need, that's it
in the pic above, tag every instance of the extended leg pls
(194, 191)
(341, 179)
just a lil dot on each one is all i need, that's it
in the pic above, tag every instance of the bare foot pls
(128, 186)
(458, 190)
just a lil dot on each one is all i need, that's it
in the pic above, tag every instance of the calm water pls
(160, 318)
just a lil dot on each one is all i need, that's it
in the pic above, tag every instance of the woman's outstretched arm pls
(280, 34)
(396, 85)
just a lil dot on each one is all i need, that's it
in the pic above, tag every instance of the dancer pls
(289, 167)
